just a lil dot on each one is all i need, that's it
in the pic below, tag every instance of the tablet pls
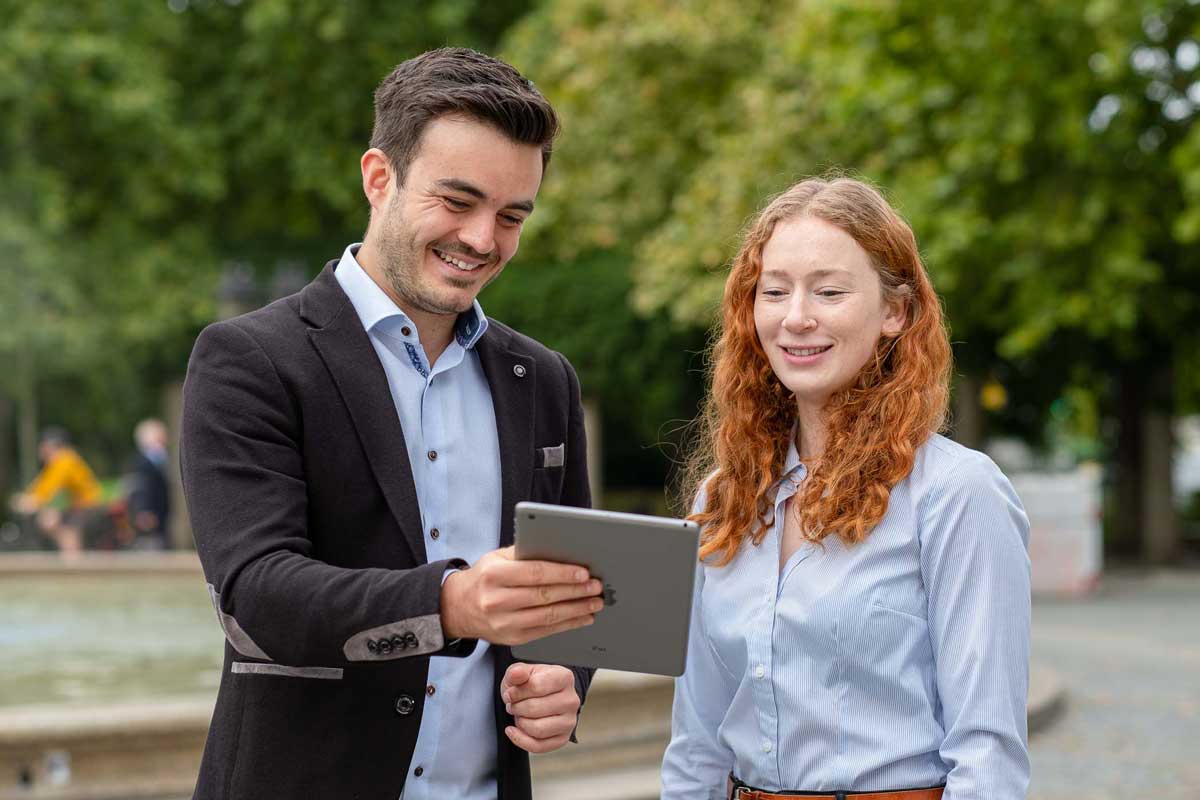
(648, 567)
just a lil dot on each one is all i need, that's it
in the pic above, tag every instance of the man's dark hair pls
(455, 80)
(56, 436)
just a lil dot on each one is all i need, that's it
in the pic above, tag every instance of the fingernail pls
(508, 707)
(581, 575)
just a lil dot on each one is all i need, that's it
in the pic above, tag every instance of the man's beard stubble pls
(402, 257)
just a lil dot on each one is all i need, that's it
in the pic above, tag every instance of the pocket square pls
(551, 456)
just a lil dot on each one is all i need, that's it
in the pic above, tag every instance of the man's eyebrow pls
(458, 185)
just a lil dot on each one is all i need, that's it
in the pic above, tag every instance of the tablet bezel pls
(650, 562)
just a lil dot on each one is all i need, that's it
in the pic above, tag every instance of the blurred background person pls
(64, 472)
(149, 500)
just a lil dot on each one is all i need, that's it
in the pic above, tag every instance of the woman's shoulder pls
(943, 465)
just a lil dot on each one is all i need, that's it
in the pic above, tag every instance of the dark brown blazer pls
(305, 516)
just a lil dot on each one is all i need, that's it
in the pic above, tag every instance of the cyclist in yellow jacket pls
(63, 472)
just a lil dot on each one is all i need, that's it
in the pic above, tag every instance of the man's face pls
(456, 221)
(46, 450)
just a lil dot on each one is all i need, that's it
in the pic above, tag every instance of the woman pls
(861, 620)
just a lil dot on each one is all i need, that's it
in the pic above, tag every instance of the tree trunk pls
(27, 417)
(181, 523)
(1160, 522)
(1124, 531)
(595, 453)
(967, 424)
(6, 451)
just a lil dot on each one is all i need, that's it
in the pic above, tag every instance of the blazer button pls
(385, 647)
(405, 705)
(398, 642)
(410, 639)
(519, 370)
(371, 646)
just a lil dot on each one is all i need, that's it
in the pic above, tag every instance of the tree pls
(1027, 143)
(147, 148)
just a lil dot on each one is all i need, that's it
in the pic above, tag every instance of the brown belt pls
(746, 793)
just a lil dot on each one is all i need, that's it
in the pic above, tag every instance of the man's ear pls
(378, 179)
(896, 312)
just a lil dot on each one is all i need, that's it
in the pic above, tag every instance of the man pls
(149, 497)
(63, 472)
(351, 457)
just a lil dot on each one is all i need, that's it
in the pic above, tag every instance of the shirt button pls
(760, 671)
(766, 747)
(430, 690)
(435, 533)
(406, 330)
(432, 455)
(419, 771)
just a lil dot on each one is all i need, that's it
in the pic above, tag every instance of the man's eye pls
(456, 204)
(511, 220)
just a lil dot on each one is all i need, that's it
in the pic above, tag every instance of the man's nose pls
(479, 234)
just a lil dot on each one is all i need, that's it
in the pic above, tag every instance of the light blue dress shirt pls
(901, 662)
(444, 408)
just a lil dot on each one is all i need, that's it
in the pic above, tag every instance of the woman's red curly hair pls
(875, 425)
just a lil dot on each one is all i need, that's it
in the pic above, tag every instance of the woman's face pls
(819, 308)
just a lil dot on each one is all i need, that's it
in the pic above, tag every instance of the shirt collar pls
(793, 468)
(373, 305)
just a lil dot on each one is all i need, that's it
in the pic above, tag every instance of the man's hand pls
(505, 601)
(542, 700)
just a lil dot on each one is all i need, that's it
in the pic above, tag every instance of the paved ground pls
(1130, 658)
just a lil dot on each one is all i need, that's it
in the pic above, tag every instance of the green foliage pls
(146, 147)
(1043, 152)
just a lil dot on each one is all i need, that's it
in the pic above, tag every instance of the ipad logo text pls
(610, 595)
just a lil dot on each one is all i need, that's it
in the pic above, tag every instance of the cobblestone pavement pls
(1130, 658)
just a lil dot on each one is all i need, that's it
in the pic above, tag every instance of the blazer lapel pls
(512, 378)
(351, 359)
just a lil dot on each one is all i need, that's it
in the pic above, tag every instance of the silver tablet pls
(647, 565)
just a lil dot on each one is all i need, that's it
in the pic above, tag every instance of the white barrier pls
(1065, 540)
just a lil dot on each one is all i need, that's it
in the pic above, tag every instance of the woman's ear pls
(896, 307)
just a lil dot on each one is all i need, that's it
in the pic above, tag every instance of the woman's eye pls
(773, 292)
(829, 293)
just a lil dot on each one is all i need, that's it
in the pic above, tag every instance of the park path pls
(1129, 656)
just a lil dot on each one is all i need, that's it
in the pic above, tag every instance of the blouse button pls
(766, 747)
(760, 671)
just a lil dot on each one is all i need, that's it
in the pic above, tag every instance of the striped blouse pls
(900, 662)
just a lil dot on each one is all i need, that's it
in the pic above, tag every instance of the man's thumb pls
(517, 674)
